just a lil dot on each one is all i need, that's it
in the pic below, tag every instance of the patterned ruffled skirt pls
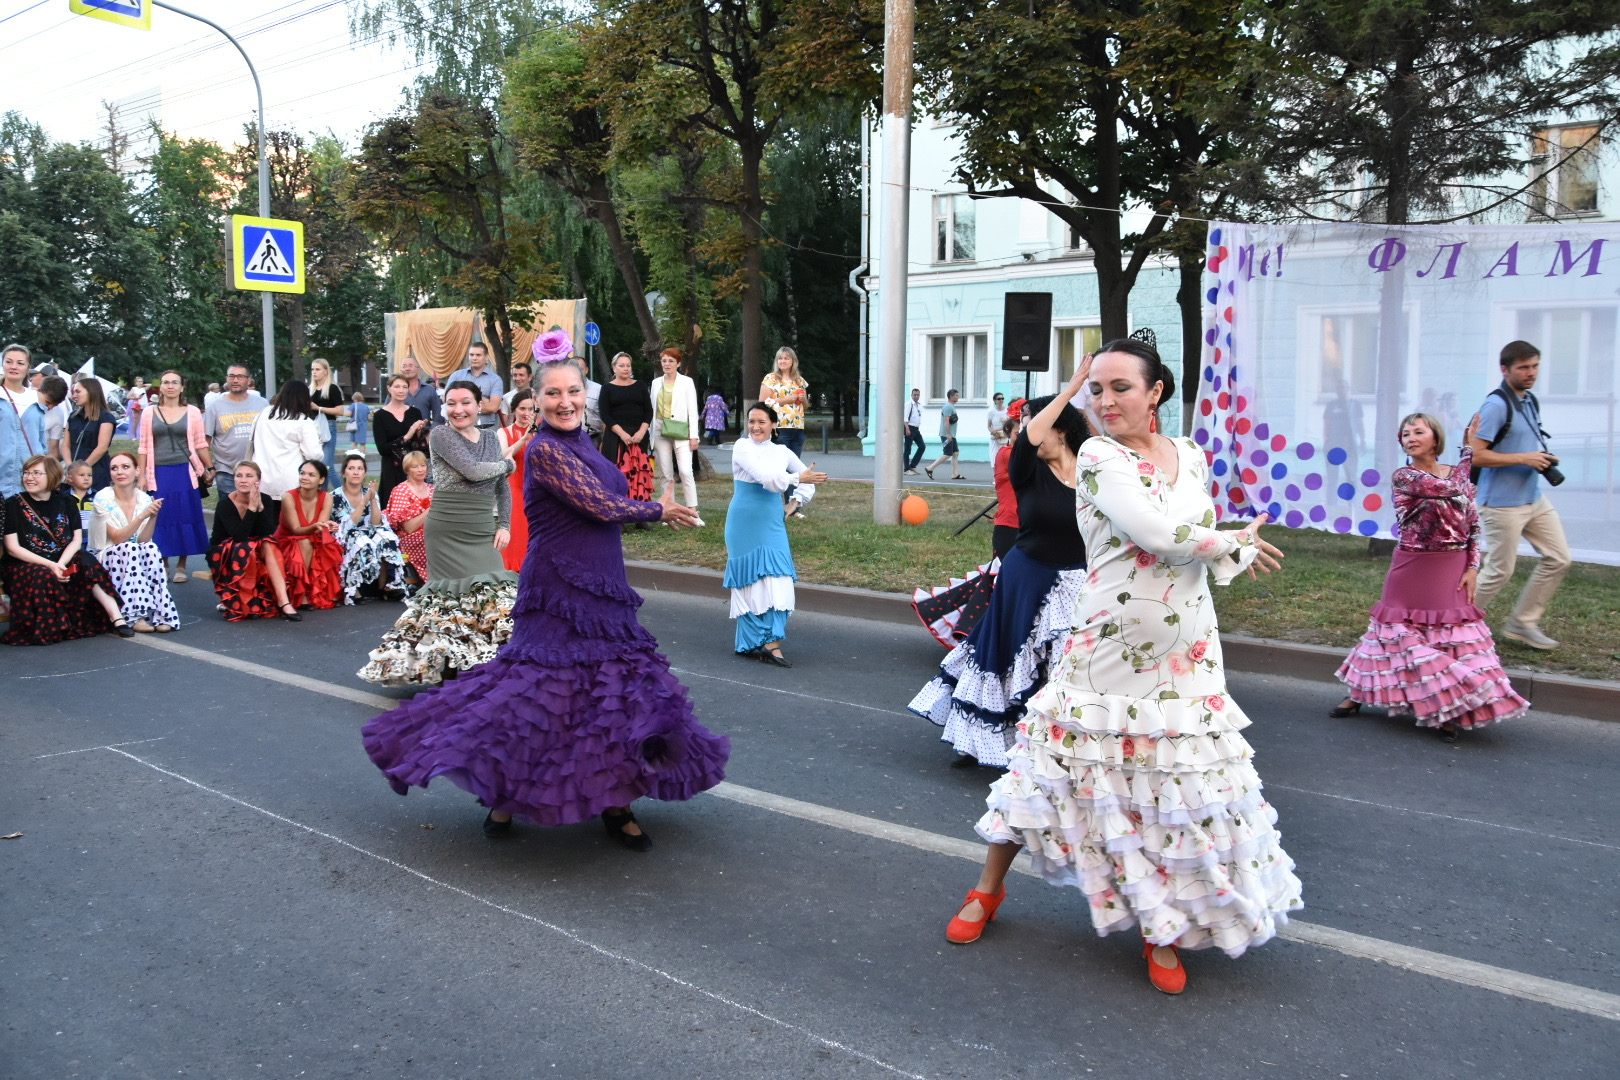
(1427, 651)
(950, 612)
(984, 682)
(1153, 810)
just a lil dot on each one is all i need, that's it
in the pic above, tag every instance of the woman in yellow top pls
(786, 391)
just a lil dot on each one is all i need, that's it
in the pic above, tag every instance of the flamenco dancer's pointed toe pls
(1167, 980)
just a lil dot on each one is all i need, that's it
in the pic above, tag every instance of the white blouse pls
(108, 514)
(772, 466)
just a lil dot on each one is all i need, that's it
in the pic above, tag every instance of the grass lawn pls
(1321, 596)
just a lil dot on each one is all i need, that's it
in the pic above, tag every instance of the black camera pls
(1552, 475)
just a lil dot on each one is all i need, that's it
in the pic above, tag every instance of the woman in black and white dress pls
(372, 558)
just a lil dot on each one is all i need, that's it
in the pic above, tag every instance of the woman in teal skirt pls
(759, 564)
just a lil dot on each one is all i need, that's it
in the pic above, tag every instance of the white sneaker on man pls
(1528, 635)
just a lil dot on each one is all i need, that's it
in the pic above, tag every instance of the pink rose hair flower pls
(553, 345)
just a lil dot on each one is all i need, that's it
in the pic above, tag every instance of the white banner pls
(1319, 337)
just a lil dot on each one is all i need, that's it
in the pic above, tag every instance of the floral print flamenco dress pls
(1130, 778)
(579, 711)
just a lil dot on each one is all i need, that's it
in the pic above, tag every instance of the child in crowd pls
(359, 414)
(80, 477)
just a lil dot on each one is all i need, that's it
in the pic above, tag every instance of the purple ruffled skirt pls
(1427, 651)
(552, 741)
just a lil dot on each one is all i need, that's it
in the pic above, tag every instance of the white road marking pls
(1448, 817)
(831, 1044)
(790, 693)
(86, 671)
(108, 746)
(1439, 965)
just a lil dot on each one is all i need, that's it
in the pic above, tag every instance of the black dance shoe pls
(615, 822)
(494, 828)
(123, 629)
(1340, 711)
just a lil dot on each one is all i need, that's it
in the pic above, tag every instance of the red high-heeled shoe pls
(1169, 980)
(962, 932)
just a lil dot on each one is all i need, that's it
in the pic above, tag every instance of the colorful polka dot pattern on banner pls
(1254, 467)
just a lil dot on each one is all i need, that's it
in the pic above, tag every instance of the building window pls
(958, 362)
(1349, 351)
(1564, 170)
(953, 228)
(1577, 348)
(1073, 342)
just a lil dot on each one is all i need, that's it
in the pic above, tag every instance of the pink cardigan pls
(195, 438)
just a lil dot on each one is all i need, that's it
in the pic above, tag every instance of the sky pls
(56, 69)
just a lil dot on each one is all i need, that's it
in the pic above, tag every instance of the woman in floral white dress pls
(371, 554)
(1129, 779)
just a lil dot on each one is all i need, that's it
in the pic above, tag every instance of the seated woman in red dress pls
(59, 592)
(242, 552)
(310, 554)
(407, 511)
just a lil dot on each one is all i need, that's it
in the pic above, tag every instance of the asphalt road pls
(233, 891)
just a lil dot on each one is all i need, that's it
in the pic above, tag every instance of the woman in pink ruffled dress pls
(1427, 652)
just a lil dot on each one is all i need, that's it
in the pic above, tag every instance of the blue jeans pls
(793, 439)
(914, 447)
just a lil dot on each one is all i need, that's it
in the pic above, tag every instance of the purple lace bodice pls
(574, 603)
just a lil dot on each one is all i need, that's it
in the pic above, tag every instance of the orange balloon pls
(914, 510)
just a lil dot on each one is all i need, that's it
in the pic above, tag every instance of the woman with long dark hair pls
(462, 616)
(284, 437)
(516, 436)
(89, 431)
(579, 715)
(984, 683)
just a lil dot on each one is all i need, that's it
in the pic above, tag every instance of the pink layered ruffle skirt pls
(1427, 652)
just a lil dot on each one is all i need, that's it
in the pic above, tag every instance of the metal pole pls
(863, 383)
(887, 416)
(267, 298)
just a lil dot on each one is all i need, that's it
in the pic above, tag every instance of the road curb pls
(1591, 698)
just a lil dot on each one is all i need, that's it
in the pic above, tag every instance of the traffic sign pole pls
(269, 310)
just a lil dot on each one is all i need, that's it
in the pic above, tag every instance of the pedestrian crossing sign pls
(267, 254)
(136, 13)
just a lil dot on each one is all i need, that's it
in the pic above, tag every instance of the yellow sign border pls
(143, 21)
(239, 257)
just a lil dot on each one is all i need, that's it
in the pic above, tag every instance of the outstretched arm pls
(565, 476)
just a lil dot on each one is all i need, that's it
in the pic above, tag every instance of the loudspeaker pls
(1026, 335)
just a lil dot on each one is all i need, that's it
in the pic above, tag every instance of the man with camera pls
(1510, 453)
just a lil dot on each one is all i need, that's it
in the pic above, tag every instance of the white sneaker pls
(1528, 635)
(911, 472)
(698, 523)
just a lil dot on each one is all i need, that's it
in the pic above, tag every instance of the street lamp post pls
(887, 416)
(267, 299)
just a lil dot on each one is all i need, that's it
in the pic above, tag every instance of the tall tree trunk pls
(1190, 301)
(601, 207)
(498, 336)
(298, 337)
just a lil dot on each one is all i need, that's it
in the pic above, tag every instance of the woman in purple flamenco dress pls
(578, 715)
(1427, 652)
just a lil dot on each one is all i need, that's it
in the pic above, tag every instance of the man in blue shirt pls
(422, 396)
(1511, 503)
(947, 432)
(489, 384)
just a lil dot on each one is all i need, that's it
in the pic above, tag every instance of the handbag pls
(675, 429)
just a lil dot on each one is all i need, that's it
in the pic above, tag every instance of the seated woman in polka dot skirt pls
(1427, 652)
(121, 534)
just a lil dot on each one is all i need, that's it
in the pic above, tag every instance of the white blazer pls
(280, 447)
(683, 403)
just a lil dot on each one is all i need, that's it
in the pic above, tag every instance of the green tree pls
(182, 208)
(437, 181)
(347, 297)
(738, 70)
(80, 270)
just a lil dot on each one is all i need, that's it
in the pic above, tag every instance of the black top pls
(230, 524)
(1048, 528)
(629, 407)
(45, 527)
(83, 435)
(390, 433)
(330, 398)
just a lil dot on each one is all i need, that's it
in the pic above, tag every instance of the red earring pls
(1153, 422)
